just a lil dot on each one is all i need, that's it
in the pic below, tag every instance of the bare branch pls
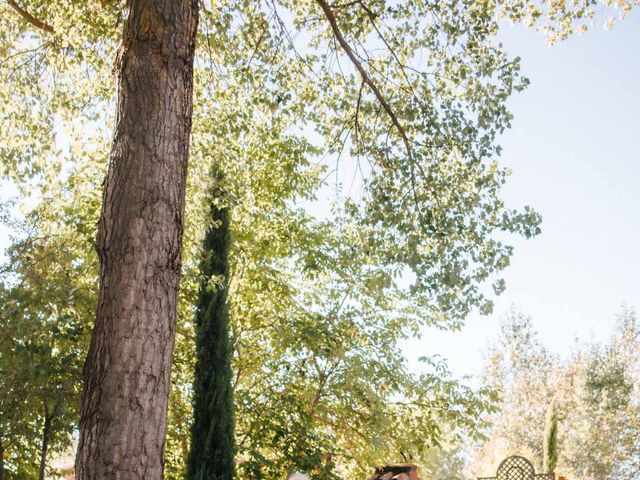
(372, 19)
(356, 122)
(39, 24)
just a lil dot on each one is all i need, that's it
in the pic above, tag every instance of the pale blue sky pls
(575, 154)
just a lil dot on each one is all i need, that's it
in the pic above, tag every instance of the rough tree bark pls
(124, 405)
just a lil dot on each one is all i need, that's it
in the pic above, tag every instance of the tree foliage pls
(43, 327)
(550, 447)
(597, 394)
(211, 456)
(319, 303)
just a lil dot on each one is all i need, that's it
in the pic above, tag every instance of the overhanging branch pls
(39, 24)
(365, 76)
(366, 79)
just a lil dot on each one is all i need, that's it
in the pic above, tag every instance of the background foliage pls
(597, 390)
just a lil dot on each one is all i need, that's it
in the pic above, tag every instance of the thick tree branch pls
(39, 24)
(365, 76)
(366, 79)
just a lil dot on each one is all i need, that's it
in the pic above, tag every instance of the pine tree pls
(550, 447)
(212, 447)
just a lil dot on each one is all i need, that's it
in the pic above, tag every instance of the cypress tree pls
(212, 446)
(550, 446)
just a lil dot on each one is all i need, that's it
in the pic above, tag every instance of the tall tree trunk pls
(127, 372)
(212, 447)
(46, 432)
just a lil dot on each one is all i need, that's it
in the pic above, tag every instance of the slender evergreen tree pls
(550, 447)
(212, 447)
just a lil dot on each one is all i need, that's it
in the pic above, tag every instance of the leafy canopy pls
(390, 109)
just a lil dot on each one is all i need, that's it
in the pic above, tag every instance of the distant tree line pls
(590, 398)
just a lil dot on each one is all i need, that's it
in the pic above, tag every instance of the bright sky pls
(575, 154)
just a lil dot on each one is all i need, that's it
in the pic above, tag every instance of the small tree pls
(212, 445)
(550, 446)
